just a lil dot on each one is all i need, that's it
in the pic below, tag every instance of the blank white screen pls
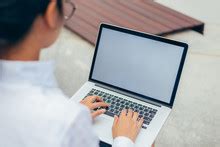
(137, 64)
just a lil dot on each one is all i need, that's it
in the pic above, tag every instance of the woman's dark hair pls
(17, 17)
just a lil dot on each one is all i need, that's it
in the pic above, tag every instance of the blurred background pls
(195, 119)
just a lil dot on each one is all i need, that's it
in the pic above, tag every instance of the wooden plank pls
(116, 15)
(142, 15)
(133, 13)
(157, 15)
(171, 12)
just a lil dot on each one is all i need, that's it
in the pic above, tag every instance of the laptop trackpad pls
(103, 128)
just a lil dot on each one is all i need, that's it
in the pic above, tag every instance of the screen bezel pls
(149, 36)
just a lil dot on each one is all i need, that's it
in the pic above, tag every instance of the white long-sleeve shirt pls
(35, 113)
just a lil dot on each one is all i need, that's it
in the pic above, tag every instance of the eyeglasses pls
(68, 9)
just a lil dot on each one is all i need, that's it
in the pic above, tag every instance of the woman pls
(33, 110)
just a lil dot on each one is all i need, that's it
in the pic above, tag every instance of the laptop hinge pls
(127, 94)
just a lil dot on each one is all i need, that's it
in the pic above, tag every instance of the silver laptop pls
(134, 70)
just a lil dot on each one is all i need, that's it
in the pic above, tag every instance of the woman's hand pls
(128, 124)
(93, 102)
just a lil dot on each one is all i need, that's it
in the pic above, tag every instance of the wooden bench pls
(142, 15)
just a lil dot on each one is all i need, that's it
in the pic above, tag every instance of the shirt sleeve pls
(80, 134)
(122, 141)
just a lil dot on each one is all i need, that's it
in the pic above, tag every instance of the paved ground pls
(195, 119)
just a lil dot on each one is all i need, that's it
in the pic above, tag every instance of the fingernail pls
(104, 110)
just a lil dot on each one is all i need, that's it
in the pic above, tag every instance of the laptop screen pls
(138, 64)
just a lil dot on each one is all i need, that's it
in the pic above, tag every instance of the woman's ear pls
(51, 15)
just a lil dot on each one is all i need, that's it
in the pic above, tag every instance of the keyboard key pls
(117, 104)
(117, 100)
(108, 101)
(109, 98)
(110, 113)
(146, 114)
(131, 105)
(122, 102)
(146, 122)
(112, 106)
(135, 110)
(141, 112)
(139, 105)
(154, 110)
(144, 127)
(120, 109)
(111, 110)
(148, 119)
(151, 116)
(104, 97)
(146, 110)
(116, 112)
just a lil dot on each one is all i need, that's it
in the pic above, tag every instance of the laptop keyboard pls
(117, 104)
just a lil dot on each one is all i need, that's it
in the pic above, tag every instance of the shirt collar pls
(33, 72)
